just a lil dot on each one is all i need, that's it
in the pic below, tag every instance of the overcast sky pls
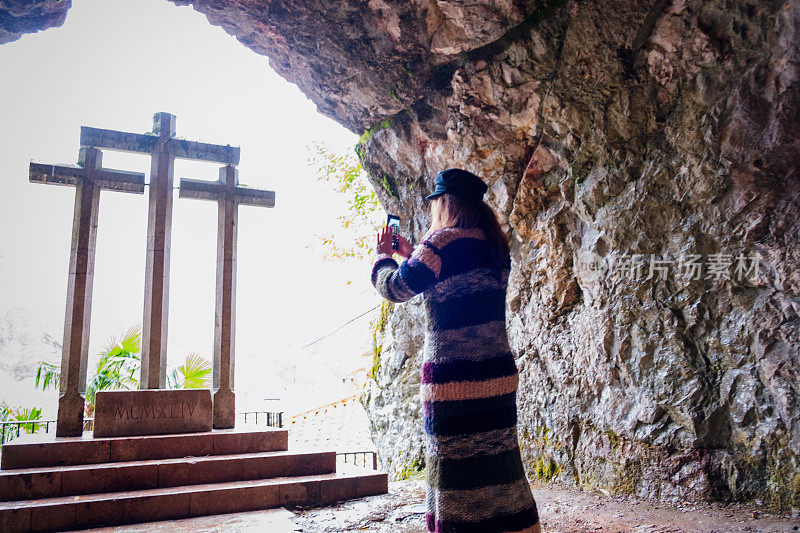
(112, 65)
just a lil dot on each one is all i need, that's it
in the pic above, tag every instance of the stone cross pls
(88, 179)
(164, 148)
(228, 195)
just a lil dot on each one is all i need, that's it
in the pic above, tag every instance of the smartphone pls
(394, 224)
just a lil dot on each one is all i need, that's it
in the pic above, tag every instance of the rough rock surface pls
(660, 129)
(621, 127)
(29, 16)
(364, 61)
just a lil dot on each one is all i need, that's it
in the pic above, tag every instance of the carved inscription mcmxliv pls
(152, 412)
(137, 411)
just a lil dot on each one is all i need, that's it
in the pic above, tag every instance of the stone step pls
(50, 482)
(74, 512)
(41, 450)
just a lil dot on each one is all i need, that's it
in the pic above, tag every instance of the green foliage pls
(376, 363)
(413, 469)
(47, 375)
(118, 367)
(369, 132)
(194, 373)
(363, 216)
(10, 414)
(387, 182)
(378, 329)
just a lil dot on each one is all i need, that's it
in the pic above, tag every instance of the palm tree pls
(22, 414)
(194, 373)
(119, 366)
(48, 374)
(117, 369)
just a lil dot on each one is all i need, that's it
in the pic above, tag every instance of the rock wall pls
(604, 129)
(29, 16)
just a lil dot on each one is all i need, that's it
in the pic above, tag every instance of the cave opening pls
(112, 65)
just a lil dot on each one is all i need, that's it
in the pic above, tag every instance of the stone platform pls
(49, 484)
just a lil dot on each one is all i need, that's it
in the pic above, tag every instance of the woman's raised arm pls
(398, 283)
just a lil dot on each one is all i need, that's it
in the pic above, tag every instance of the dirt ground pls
(562, 509)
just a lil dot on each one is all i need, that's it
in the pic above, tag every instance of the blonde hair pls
(451, 211)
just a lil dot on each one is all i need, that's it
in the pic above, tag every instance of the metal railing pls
(18, 426)
(273, 419)
(11, 429)
(363, 456)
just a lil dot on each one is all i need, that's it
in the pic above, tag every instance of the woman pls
(475, 478)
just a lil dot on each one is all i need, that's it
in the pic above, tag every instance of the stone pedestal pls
(70, 413)
(152, 412)
(224, 408)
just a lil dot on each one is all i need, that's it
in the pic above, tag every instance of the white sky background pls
(112, 65)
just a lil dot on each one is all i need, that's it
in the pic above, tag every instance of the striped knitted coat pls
(474, 473)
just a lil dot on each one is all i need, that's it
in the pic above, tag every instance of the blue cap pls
(459, 182)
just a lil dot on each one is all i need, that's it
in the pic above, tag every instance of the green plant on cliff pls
(546, 468)
(387, 182)
(363, 215)
(782, 487)
(613, 438)
(368, 133)
(378, 329)
(413, 469)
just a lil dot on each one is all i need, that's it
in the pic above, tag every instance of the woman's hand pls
(384, 245)
(385, 242)
(404, 247)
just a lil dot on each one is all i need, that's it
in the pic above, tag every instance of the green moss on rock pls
(387, 182)
(413, 469)
(546, 468)
(378, 330)
(367, 135)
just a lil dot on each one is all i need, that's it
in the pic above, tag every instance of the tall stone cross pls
(89, 178)
(228, 195)
(164, 148)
